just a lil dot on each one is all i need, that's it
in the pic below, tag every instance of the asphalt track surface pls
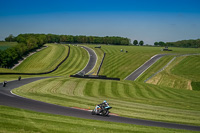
(92, 61)
(7, 98)
(134, 75)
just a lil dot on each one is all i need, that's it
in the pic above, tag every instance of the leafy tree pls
(162, 44)
(91, 39)
(141, 43)
(20, 39)
(26, 43)
(10, 38)
(42, 39)
(156, 44)
(63, 38)
(135, 42)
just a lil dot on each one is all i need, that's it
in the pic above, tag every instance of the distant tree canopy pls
(87, 39)
(10, 38)
(135, 42)
(52, 38)
(183, 43)
(28, 42)
(141, 43)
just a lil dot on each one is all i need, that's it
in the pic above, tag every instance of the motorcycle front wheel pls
(105, 113)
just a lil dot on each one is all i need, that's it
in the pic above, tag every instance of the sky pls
(147, 20)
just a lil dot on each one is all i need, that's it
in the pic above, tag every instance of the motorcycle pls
(102, 110)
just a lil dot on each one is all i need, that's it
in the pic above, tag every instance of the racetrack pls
(134, 75)
(9, 99)
(92, 61)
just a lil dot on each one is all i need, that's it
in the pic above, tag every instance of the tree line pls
(182, 43)
(26, 43)
(52, 38)
(29, 42)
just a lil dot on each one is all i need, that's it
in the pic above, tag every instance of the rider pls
(103, 104)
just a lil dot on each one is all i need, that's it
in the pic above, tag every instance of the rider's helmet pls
(104, 101)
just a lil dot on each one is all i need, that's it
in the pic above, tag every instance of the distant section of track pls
(92, 60)
(9, 99)
(134, 75)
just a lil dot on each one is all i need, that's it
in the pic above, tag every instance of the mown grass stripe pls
(167, 93)
(95, 89)
(77, 59)
(120, 90)
(70, 65)
(108, 90)
(159, 93)
(45, 60)
(73, 60)
(133, 90)
(68, 87)
(79, 88)
(101, 89)
(140, 92)
(88, 89)
(152, 93)
(127, 91)
(114, 88)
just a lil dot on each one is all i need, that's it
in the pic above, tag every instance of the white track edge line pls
(147, 68)
(95, 62)
(140, 66)
(89, 59)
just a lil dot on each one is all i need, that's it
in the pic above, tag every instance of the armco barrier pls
(94, 77)
(41, 72)
(101, 63)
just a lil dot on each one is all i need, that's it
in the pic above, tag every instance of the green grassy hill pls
(76, 61)
(162, 102)
(121, 64)
(182, 73)
(189, 67)
(50, 57)
(130, 99)
(45, 60)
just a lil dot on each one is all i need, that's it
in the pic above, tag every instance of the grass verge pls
(180, 73)
(23, 121)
